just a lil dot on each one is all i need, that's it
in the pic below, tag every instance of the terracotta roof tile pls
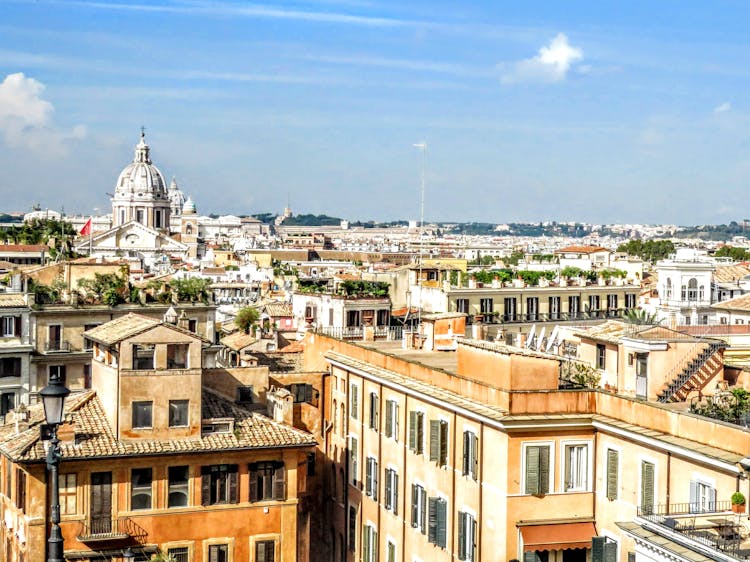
(121, 328)
(238, 340)
(12, 300)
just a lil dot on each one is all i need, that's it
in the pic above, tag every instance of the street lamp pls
(53, 398)
(128, 555)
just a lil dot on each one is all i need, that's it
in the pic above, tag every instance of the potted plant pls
(738, 502)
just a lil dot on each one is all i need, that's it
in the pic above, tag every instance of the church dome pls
(189, 207)
(141, 179)
(176, 198)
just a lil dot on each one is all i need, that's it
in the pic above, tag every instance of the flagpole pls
(91, 235)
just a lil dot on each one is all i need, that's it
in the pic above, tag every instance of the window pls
(532, 308)
(353, 459)
(391, 552)
(244, 394)
(416, 432)
(613, 473)
(178, 413)
(436, 528)
(612, 303)
(537, 471)
(56, 373)
(352, 528)
(574, 306)
(702, 497)
(668, 290)
(593, 305)
(630, 301)
(601, 356)
(143, 356)
(193, 325)
(353, 319)
(391, 419)
(576, 468)
(371, 478)
(369, 544)
(647, 487)
(384, 317)
(139, 218)
(486, 307)
(554, 308)
(54, 337)
(140, 488)
(177, 356)
(10, 326)
(467, 537)
(692, 290)
(264, 551)
(219, 484)
(374, 411)
(603, 549)
(142, 414)
(391, 490)
(10, 367)
(471, 455)
(510, 309)
(267, 481)
(20, 489)
(462, 305)
(179, 554)
(419, 508)
(7, 402)
(88, 345)
(68, 503)
(302, 392)
(178, 486)
(439, 441)
(218, 552)
(354, 401)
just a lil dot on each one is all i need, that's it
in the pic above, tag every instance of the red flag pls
(86, 228)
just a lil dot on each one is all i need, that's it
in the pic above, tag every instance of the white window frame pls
(392, 408)
(8, 327)
(390, 471)
(564, 447)
(354, 412)
(551, 445)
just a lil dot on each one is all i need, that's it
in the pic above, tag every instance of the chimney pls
(183, 321)
(280, 405)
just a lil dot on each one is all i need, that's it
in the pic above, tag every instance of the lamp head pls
(53, 397)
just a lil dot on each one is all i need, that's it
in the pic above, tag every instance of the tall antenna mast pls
(422, 146)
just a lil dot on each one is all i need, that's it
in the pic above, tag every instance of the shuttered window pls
(267, 481)
(603, 549)
(218, 553)
(264, 551)
(647, 487)
(470, 455)
(437, 510)
(391, 419)
(416, 432)
(354, 401)
(537, 470)
(419, 508)
(219, 484)
(391, 552)
(702, 497)
(353, 465)
(371, 478)
(467, 537)
(391, 490)
(352, 528)
(612, 473)
(439, 441)
(369, 544)
(374, 411)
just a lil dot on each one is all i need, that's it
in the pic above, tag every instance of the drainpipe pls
(669, 480)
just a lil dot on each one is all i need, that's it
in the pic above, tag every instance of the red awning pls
(559, 536)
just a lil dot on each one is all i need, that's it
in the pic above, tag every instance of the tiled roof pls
(294, 347)
(32, 248)
(12, 300)
(6, 265)
(95, 438)
(238, 340)
(730, 273)
(278, 309)
(738, 303)
(121, 328)
(611, 331)
(581, 250)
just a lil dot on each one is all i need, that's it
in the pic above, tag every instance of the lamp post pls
(128, 555)
(53, 397)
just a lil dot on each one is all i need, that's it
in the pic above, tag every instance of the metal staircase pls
(694, 374)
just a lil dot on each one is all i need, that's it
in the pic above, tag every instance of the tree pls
(651, 250)
(640, 317)
(192, 289)
(737, 254)
(247, 318)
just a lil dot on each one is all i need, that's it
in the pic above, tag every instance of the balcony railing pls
(56, 346)
(390, 333)
(493, 318)
(110, 530)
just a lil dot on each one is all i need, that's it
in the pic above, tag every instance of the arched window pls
(692, 293)
(701, 292)
(684, 292)
(189, 229)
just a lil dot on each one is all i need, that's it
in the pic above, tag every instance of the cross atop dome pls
(142, 149)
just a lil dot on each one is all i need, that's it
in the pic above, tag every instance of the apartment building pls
(162, 455)
(15, 349)
(488, 454)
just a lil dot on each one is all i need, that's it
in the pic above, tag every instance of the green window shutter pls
(473, 545)
(597, 549)
(647, 487)
(432, 521)
(391, 552)
(374, 410)
(423, 503)
(366, 543)
(434, 440)
(368, 476)
(612, 476)
(394, 487)
(355, 402)
(414, 505)
(389, 418)
(420, 433)
(532, 471)
(395, 420)
(466, 461)
(442, 515)
(388, 488)
(443, 441)
(413, 431)
(474, 456)
(610, 551)
(544, 469)
(375, 549)
(530, 556)
(375, 479)
(461, 536)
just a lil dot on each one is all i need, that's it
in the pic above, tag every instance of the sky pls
(626, 112)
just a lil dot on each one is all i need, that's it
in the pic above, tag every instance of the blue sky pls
(588, 111)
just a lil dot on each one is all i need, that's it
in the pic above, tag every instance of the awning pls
(557, 536)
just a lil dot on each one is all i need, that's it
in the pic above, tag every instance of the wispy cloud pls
(26, 118)
(401, 64)
(723, 108)
(551, 64)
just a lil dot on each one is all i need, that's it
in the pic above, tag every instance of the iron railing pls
(56, 345)
(110, 529)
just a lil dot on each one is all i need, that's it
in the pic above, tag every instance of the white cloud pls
(26, 118)
(551, 64)
(723, 108)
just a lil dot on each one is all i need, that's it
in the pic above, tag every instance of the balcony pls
(496, 318)
(104, 530)
(712, 526)
(56, 346)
